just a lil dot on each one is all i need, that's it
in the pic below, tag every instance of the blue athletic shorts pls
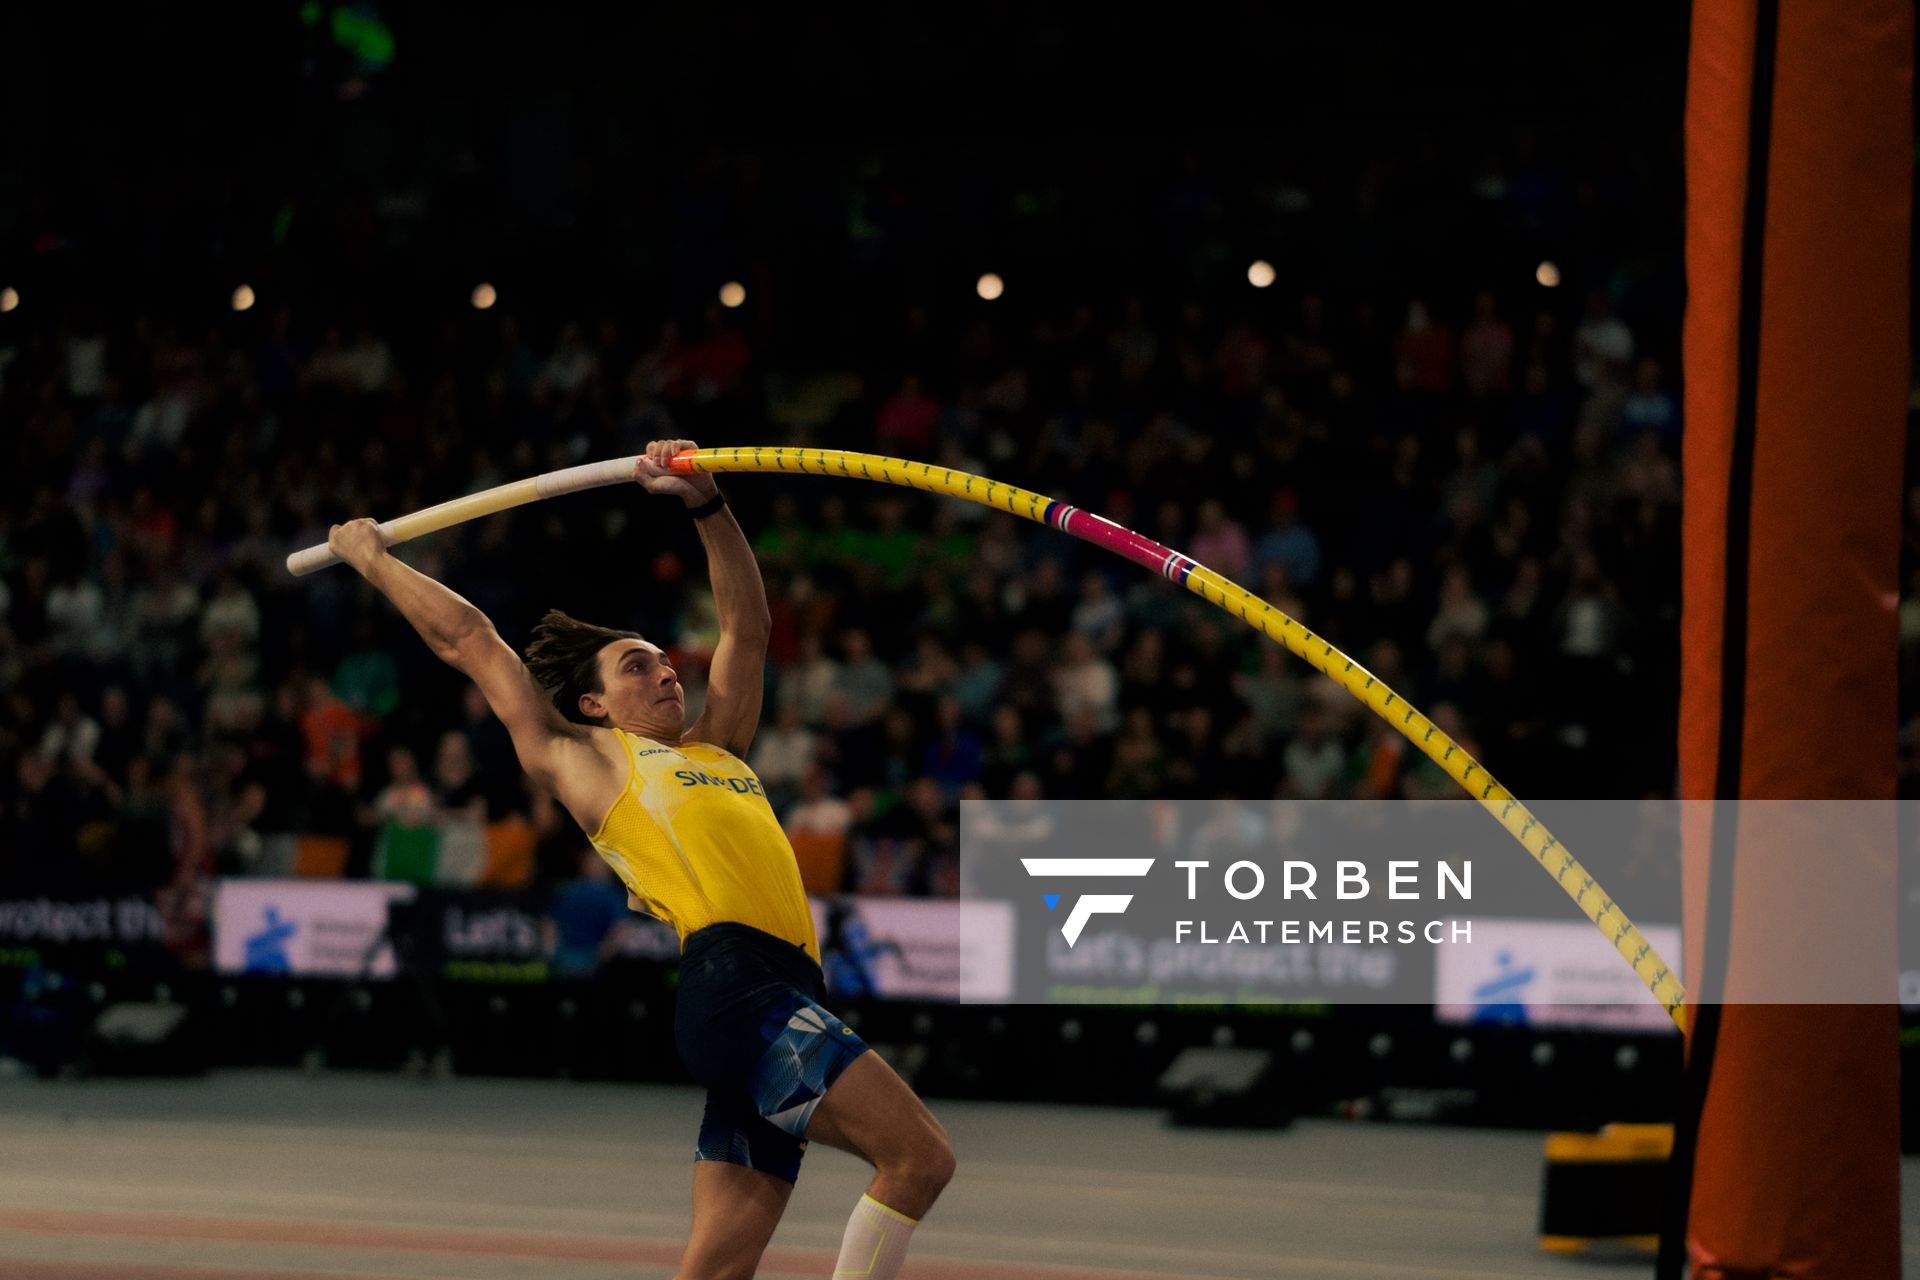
(750, 1027)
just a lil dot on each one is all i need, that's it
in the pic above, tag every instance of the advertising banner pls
(873, 948)
(475, 936)
(906, 948)
(42, 923)
(1548, 973)
(305, 928)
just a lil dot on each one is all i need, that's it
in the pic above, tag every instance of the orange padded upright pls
(1799, 163)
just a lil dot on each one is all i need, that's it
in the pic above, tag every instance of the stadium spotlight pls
(484, 296)
(732, 294)
(243, 298)
(9, 298)
(1260, 274)
(1547, 274)
(990, 286)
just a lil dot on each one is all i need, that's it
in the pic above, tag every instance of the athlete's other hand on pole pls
(357, 542)
(651, 470)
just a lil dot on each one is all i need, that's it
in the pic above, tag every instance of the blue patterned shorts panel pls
(764, 1125)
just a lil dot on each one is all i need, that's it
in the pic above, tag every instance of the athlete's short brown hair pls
(564, 658)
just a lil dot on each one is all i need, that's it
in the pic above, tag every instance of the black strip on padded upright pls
(1709, 985)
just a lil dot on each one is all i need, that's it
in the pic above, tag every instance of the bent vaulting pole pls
(1651, 968)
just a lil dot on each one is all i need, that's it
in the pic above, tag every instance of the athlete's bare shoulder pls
(593, 775)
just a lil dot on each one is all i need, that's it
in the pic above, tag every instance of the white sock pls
(876, 1242)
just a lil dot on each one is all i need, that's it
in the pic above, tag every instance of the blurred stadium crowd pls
(1477, 496)
(1466, 478)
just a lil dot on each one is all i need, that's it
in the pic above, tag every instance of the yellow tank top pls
(694, 839)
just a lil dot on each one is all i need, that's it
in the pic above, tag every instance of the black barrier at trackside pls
(86, 953)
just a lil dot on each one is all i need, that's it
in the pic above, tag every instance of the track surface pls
(284, 1176)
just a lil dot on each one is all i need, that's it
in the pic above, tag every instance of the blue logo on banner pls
(1498, 1001)
(267, 949)
(1051, 899)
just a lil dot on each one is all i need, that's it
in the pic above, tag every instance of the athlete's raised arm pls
(736, 681)
(555, 751)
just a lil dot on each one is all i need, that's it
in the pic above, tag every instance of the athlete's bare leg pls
(735, 1210)
(872, 1113)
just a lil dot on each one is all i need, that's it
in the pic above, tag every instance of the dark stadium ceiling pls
(169, 137)
(876, 70)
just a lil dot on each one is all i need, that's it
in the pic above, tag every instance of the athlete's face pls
(639, 691)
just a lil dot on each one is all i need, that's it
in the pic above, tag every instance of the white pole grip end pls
(319, 556)
(591, 475)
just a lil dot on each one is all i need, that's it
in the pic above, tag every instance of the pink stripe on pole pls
(1144, 551)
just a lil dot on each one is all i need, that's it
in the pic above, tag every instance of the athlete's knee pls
(941, 1165)
(927, 1166)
